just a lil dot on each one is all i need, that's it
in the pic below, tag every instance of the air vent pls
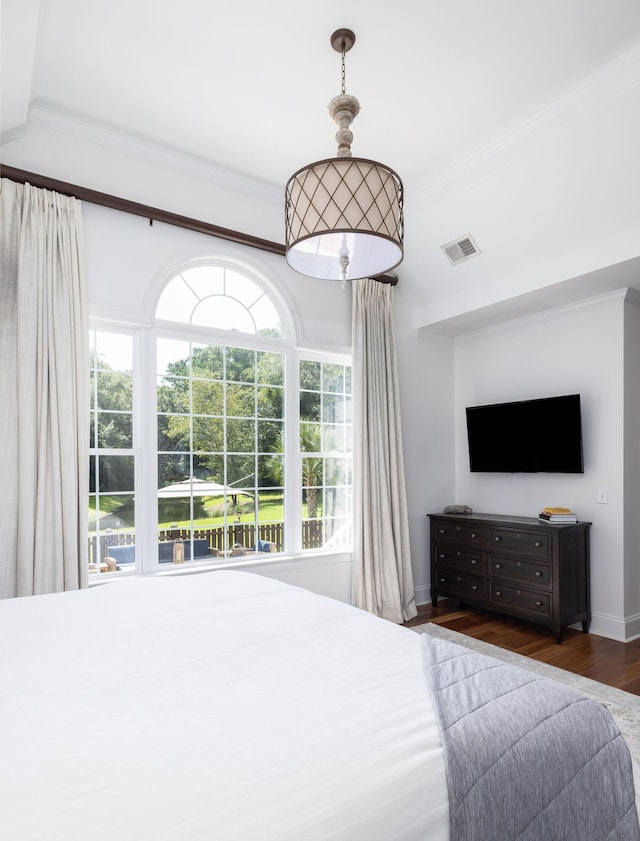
(461, 249)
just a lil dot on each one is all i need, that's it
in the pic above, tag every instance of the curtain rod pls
(153, 214)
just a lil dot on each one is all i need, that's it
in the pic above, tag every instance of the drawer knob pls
(498, 539)
(498, 592)
(538, 573)
(474, 561)
(443, 531)
(443, 580)
(498, 566)
(538, 543)
(538, 604)
(475, 587)
(442, 555)
(474, 534)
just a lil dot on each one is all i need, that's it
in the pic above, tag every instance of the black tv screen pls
(527, 436)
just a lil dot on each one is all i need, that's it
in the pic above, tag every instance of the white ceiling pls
(244, 85)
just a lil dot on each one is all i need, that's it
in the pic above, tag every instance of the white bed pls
(213, 706)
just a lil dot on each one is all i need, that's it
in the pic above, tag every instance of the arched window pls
(219, 297)
(226, 438)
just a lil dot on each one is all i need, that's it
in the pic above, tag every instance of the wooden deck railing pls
(218, 537)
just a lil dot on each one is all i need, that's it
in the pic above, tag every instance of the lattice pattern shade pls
(344, 202)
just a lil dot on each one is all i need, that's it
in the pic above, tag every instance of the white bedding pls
(214, 706)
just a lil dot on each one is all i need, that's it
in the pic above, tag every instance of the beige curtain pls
(382, 576)
(44, 359)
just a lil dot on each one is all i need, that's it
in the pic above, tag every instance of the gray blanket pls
(527, 758)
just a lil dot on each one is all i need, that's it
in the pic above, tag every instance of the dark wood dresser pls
(518, 566)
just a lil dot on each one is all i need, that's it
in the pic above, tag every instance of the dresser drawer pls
(467, 560)
(459, 532)
(529, 572)
(529, 600)
(460, 586)
(532, 543)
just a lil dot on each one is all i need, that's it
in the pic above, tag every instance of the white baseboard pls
(614, 628)
(423, 594)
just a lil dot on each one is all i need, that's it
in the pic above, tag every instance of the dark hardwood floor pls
(614, 663)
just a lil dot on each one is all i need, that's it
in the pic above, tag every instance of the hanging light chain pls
(343, 108)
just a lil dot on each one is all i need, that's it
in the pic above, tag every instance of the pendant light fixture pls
(344, 216)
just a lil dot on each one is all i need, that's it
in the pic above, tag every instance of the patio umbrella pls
(198, 487)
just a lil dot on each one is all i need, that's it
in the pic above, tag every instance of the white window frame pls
(145, 417)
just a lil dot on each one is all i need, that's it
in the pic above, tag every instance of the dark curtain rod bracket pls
(151, 213)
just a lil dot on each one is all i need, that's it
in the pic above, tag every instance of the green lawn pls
(209, 511)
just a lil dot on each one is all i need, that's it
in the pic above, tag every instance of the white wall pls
(426, 374)
(565, 351)
(127, 260)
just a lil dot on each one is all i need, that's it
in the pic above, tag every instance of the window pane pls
(333, 377)
(241, 435)
(114, 351)
(205, 280)
(172, 357)
(270, 471)
(115, 473)
(241, 365)
(224, 313)
(242, 288)
(207, 397)
(325, 467)
(337, 471)
(173, 394)
(310, 375)
(270, 402)
(270, 368)
(209, 466)
(310, 437)
(208, 362)
(266, 318)
(172, 469)
(240, 471)
(174, 433)
(114, 390)
(208, 435)
(111, 477)
(333, 440)
(310, 405)
(115, 430)
(177, 301)
(241, 400)
(270, 436)
(333, 408)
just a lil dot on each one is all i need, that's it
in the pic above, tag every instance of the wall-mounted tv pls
(527, 436)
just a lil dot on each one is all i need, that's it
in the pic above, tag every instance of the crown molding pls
(614, 79)
(161, 154)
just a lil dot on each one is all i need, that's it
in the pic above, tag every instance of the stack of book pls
(558, 515)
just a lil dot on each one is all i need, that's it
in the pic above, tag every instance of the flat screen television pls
(527, 436)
